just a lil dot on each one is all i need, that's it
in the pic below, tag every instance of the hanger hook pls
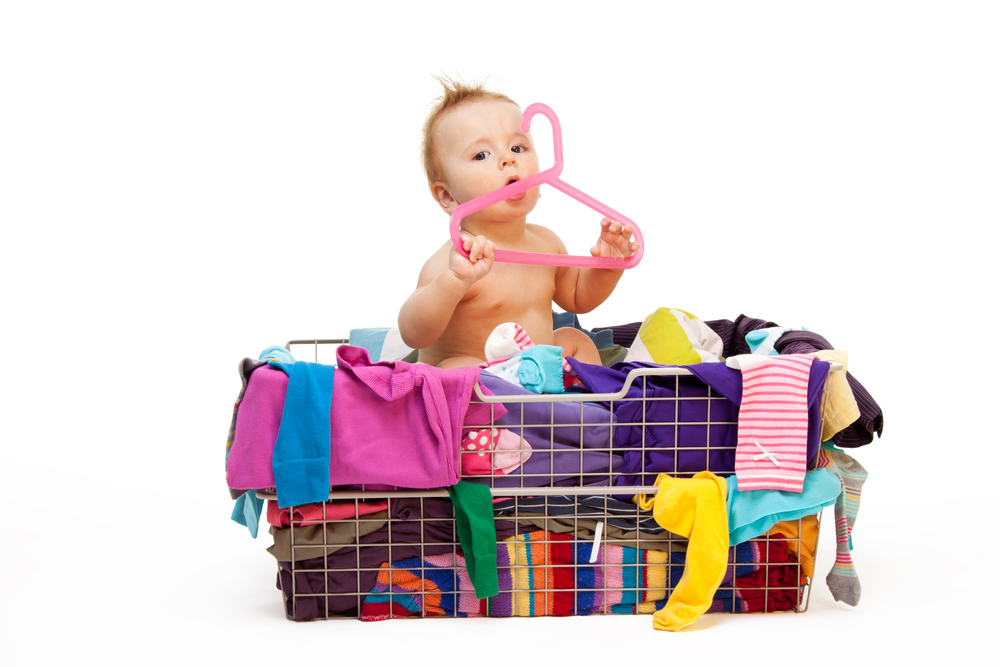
(539, 108)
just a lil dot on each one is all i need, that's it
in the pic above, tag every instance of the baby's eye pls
(481, 155)
(517, 149)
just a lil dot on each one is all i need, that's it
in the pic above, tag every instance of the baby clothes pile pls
(736, 448)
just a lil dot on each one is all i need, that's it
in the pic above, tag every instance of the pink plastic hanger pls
(551, 177)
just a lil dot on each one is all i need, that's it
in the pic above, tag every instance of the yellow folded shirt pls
(841, 410)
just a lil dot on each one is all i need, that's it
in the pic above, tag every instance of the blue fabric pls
(247, 511)
(371, 339)
(762, 341)
(276, 353)
(541, 369)
(752, 513)
(602, 339)
(301, 458)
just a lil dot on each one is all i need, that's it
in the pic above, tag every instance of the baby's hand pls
(480, 260)
(615, 240)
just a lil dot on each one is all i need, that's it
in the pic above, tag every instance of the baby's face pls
(482, 148)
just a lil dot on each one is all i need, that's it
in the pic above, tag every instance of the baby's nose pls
(510, 159)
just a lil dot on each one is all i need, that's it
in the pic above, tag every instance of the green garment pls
(477, 535)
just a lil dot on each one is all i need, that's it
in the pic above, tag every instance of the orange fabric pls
(810, 535)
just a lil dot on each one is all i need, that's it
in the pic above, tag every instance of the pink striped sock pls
(521, 338)
(506, 340)
(774, 424)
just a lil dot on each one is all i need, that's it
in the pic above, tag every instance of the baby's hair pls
(456, 92)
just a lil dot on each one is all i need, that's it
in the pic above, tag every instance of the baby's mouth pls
(517, 197)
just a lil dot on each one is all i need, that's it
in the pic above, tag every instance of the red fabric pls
(775, 587)
(561, 578)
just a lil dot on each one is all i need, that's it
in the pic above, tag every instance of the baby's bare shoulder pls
(435, 264)
(545, 240)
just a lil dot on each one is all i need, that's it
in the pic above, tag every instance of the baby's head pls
(473, 144)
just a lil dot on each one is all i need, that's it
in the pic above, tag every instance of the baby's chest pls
(512, 288)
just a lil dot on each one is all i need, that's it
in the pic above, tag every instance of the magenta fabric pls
(392, 423)
(397, 423)
(258, 417)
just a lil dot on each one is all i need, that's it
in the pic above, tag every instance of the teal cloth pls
(301, 458)
(247, 511)
(752, 513)
(477, 534)
(762, 341)
(541, 369)
(371, 339)
(276, 353)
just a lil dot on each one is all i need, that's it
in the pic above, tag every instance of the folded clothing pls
(491, 451)
(382, 343)
(753, 513)
(539, 571)
(733, 335)
(618, 513)
(391, 423)
(511, 355)
(335, 583)
(685, 432)
(574, 452)
(673, 336)
(771, 445)
(315, 513)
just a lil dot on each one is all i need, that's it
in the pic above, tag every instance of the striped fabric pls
(509, 339)
(506, 340)
(550, 574)
(773, 424)
(622, 334)
(541, 570)
(733, 335)
(843, 579)
(844, 565)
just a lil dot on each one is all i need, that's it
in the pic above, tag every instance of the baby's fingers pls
(618, 237)
(624, 241)
(484, 264)
(475, 247)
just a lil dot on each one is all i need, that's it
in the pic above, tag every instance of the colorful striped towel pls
(538, 572)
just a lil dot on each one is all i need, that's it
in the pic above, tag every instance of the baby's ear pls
(443, 197)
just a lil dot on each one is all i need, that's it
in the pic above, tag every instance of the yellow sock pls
(696, 509)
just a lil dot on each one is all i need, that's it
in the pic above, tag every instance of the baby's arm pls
(444, 281)
(582, 290)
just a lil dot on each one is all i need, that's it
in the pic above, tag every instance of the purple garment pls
(693, 425)
(733, 335)
(622, 334)
(577, 453)
(862, 431)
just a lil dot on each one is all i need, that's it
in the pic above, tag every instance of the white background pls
(184, 184)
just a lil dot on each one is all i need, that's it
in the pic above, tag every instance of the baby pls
(473, 144)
